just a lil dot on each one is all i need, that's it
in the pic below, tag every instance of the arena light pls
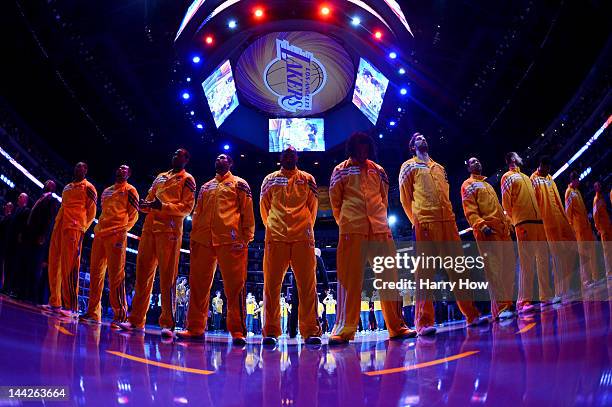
(355, 21)
(209, 40)
(258, 12)
(399, 109)
(392, 55)
(186, 95)
(21, 168)
(588, 144)
(7, 181)
(378, 35)
(232, 24)
(392, 123)
(380, 135)
(464, 231)
(226, 147)
(403, 91)
(392, 220)
(188, 79)
(200, 126)
(192, 113)
(584, 174)
(401, 71)
(196, 59)
(325, 11)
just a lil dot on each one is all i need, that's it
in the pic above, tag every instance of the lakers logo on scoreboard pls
(294, 76)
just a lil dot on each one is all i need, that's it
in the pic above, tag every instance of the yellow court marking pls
(160, 364)
(63, 330)
(422, 365)
(526, 328)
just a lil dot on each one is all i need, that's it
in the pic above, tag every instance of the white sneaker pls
(128, 326)
(51, 308)
(426, 331)
(527, 309)
(69, 313)
(167, 333)
(506, 314)
(478, 321)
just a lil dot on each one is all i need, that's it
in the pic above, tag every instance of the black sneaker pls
(337, 340)
(239, 341)
(409, 333)
(313, 340)
(269, 341)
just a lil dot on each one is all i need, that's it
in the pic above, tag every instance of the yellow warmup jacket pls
(577, 215)
(288, 205)
(359, 197)
(119, 209)
(518, 198)
(481, 205)
(224, 212)
(600, 215)
(176, 193)
(78, 206)
(551, 207)
(424, 191)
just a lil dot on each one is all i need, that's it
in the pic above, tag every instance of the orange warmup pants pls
(354, 251)
(108, 252)
(441, 239)
(64, 264)
(533, 258)
(278, 256)
(155, 249)
(500, 265)
(606, 243)
(232, 260)
(588, 255)
(563, 253)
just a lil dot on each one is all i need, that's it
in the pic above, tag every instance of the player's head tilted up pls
(513, 159)
(223, 163)
(123, 173)
(418, 144)
(180, 159)
(474, 166)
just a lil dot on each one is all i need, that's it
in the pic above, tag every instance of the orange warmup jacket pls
(481, 205)
(577, 215)
(78, 206)
(556, 224)
(601, 218)
(424, 192)
(289, 213)
(518, 198)
(177, 203)
(224, 212)
(359, 198)
(119, 209)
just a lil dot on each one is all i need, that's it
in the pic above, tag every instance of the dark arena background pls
(130, 82)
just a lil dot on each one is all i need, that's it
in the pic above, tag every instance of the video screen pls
(220, 91)
(370, 88)
(303, 134)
